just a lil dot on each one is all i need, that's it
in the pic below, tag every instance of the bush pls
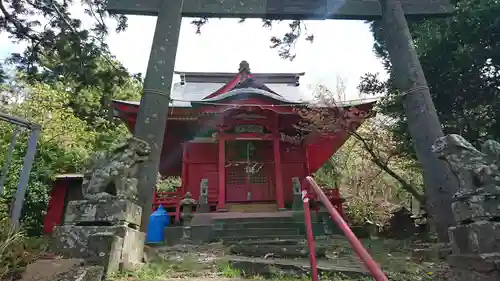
(169, 184)
(17, 250)
(359, 210)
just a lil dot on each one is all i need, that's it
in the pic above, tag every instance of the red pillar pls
(280, 200)
(184, 168)
(222, 174)
(55, 209)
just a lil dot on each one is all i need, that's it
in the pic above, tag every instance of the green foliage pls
(230, 272)
(61, 50)
(59, 46)
(460, 57)
(169, 184)
(16, 250)
(66, 140)
(370, 191)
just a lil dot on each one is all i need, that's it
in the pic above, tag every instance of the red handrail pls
(370, 264)
(310, 237)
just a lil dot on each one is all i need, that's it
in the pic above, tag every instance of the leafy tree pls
(460, 56)
(66, 141)
(3, 74)
(372, 140)
(60, 49)
(371, 187)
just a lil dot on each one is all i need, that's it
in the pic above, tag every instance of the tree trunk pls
(423, 122)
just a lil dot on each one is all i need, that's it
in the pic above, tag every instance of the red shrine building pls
(238, 131)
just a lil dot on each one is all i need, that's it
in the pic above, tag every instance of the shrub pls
(17, 250)
(359, 210)
(169, 184)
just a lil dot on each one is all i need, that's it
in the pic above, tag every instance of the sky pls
(341, 48)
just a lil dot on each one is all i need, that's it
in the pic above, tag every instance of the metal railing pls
(310, 188)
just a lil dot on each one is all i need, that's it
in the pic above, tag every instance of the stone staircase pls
(243, 229)
(261, 246)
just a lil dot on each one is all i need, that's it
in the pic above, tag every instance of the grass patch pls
(228, 271)
(421, 276)
(17, 250)
(165, 269)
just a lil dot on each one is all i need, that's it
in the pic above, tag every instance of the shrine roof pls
(184, 94)
(203, 88)
(246, 91)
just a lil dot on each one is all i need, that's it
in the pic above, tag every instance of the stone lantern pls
(187, 204)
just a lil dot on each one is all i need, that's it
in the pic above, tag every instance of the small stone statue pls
(477, 171)
(113, 173)
(203, 206)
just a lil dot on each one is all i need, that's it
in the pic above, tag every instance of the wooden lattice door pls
(248, 187)
(244, 187)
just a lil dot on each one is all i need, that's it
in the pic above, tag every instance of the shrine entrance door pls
(250, 179)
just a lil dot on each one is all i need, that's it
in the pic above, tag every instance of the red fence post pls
(310, 235)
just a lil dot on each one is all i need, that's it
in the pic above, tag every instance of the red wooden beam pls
(184, 173)
(280, 198)
(222, 174)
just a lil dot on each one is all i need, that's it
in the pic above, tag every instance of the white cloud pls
(341, 48)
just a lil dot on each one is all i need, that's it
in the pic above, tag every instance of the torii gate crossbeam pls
(283, 9)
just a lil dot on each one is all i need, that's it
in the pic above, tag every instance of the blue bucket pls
(158, 220)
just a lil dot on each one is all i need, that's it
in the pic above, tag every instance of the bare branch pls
(335, 118)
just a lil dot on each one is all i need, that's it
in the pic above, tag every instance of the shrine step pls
(252, 266)
(261, 224)
(257, 239)
(252, 207)
(265, 225)
(239, 220)
(275, 251)
(255, 232)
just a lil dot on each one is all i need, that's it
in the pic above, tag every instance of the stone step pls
(268, 232)
(255, 219)
(275, 251)
(251, 266)
(273, 242)
(247, 239)
(260, 224)
(252, 208)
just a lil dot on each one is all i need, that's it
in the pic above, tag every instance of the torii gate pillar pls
(152, 117)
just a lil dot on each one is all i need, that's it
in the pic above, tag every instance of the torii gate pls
(409, 77)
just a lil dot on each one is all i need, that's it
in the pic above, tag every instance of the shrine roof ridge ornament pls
(284, 9)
